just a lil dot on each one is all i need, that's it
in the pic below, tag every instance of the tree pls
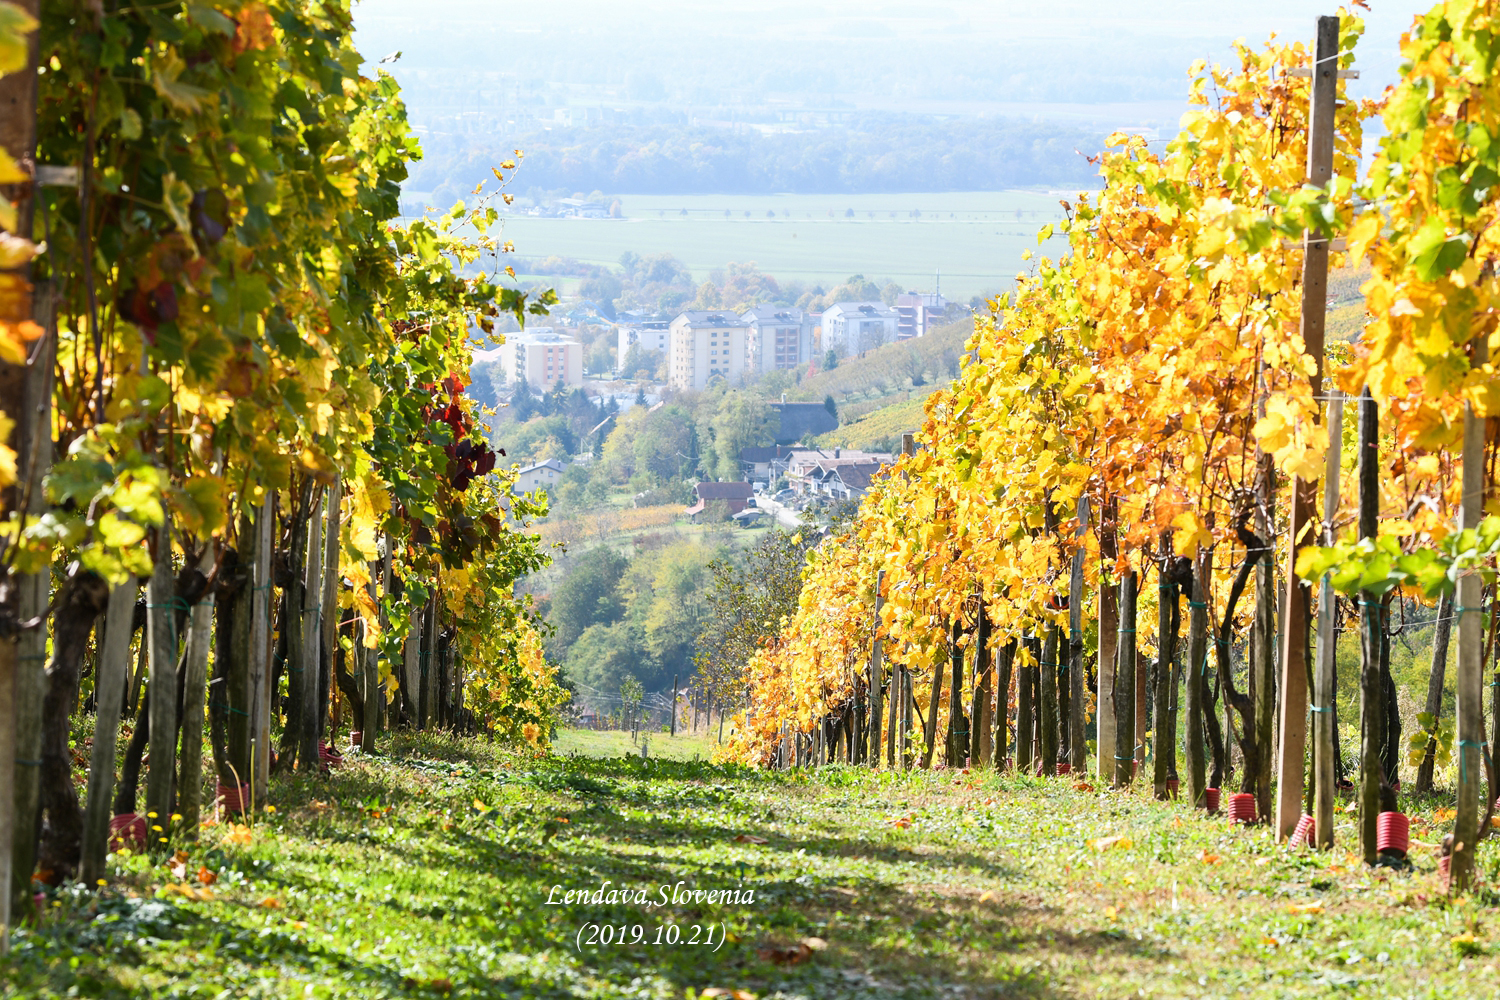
(830, 360)
(742, 420)
(588, 595)
(831, 406)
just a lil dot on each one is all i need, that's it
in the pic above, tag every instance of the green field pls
(974, 240)
(617, 743)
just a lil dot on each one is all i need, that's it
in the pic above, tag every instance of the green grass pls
(426, 871)
(974, 239)
(617, 743)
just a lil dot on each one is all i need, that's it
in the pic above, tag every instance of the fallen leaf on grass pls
(207, 877)
(1304, 909)
(270, 903)
(1262, 861)
(238, 833)
(1208, 857)
(719, 991)
(747, 838)
(1111, 913)
(988, 896)
(793, 954)
(1111, 843)
(318, 805)
(1270, 942)
(188, 892)
(1444, 815)
(443, 985)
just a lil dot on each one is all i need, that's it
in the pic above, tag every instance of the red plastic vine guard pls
(1445, 869)
(354, 738)
(1064, 768)
(329, 757)
(235, 799)
(1242, 807)
(1211, 800)
(127, 830)
(1391, 834)
(1303, 835)
(1173, 786)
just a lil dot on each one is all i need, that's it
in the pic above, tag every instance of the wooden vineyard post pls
(161, 636)
(930, 734)
(305, 681)
(876, 681)
(1291, 758)
(1109, 623)
(1322, 708)
(1124, 687)
(982, 737)
(1025, 713)
(1470, 707)
(1048, 704)
(260, 652)
(1372, 715)
(110, 685)
(1077, 746)
(674, 705)
(1163, 742)
(194, 688)
(1197, 680)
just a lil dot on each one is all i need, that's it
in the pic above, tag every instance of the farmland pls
(975, 240)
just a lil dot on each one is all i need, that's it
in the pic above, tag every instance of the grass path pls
(426, 871)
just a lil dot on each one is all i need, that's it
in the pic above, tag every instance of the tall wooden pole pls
(1077, 746)
(194, 687)
(161, 637)
(260, 650)
(1290, 762)
(1197, 681)
(1372, 691)
(1108, 644)
(1323, 715)
(114, 660)
(877, 703)
(305, 678)
(1124, 688)
(1470, 651)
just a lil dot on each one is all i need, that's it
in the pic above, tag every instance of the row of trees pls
(1149, 403)
(231, 378)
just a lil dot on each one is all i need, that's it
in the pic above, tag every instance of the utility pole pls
(1291, 761)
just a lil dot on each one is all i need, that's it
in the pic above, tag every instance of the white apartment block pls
(543, 358)
(706, 345)
(649, 336)
(776, 339)
(856, 327)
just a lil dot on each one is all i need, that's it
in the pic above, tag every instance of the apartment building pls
(706, 345)
(648, 335)
(776, 339)
(856, 327)
(917, 313)
(543, 357)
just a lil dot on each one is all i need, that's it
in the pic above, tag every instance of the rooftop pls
(711, 317)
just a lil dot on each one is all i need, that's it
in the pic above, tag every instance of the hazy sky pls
(945, 56)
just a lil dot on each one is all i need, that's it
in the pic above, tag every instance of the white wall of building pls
(705, 346)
